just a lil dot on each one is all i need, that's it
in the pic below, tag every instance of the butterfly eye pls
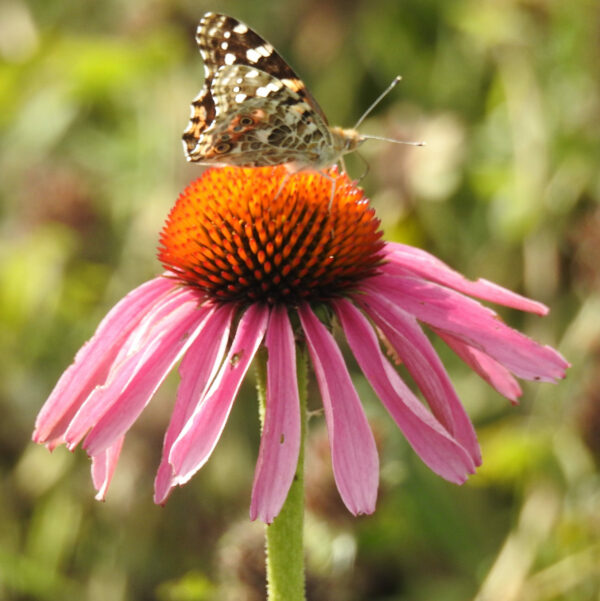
(222, 148)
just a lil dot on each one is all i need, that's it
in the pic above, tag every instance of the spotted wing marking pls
(260, 120)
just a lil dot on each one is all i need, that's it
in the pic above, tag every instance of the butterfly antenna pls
(367, 137)
(379, 98)
(394, 83)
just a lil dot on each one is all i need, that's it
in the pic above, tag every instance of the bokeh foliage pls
(93, 99)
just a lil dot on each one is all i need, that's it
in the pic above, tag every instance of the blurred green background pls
(93, 99)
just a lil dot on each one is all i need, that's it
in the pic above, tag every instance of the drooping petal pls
(129, 358)
(474, 324)
(112, 409)
(496, 375)
(424, 365)
(203, 429)
(94, 360)
(103, 467)
(353, 451)
(198, 369)
(408, 260)
(431, 441)
(280, 440)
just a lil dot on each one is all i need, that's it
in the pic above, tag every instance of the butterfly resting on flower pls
(254, 111)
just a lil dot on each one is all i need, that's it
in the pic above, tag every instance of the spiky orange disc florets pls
(261, 235)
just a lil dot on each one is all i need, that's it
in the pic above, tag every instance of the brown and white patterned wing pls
(259, 121)
(224, 41)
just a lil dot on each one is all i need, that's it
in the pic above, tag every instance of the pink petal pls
(439, 451)
(280, 441)
(94, 360)
(103, 467)
(198, 369)
(421, 360)
(130, 357)
(203, 429)
(353, 450)
(127, 394)
(408, 260)
(474, 324)
(491, 371)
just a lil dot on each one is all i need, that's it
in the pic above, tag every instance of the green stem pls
(284, 537)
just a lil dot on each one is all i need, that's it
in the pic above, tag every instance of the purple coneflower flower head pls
(251, 258)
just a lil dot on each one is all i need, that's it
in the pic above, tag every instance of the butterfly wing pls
(259, 121)
(224, 42)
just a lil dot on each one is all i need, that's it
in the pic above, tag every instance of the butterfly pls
(254, 111)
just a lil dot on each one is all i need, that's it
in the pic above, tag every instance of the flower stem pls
(284, 537)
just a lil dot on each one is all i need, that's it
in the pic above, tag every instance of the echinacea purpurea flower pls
(254, 257)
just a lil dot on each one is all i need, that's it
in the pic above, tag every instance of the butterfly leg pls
(333, 187)
(284, 181)
(293, 169)
(343, 165)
